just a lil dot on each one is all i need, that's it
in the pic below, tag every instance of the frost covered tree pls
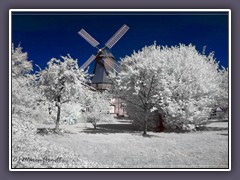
(61, 82)
(222, 101)
(137, 85)
(21, 66)
(23, 90)
(72, 112)
(98, 105)
(177, 82)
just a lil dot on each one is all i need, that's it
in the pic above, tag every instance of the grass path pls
(123, 148)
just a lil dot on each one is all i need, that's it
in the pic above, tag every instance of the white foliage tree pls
(177, 82)
(72, 112)
(193, 80)
(137, 84)
(222, 102)
(98, 106)
(21, 66)
(26, 146)
(23, 90)
(61, 82)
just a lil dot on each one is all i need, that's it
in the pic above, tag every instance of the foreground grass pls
(30, 150)
(118, 146)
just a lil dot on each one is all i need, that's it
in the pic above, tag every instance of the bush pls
(98, 106)
(72, 113)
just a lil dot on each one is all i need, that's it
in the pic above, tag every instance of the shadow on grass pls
(112, 128)
(212, 129)
(223, 134)
(117, 128)
(177, 131)
(131, 129)
(218, 120)
(150, 136)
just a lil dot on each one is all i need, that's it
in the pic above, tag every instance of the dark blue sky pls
(47, 35)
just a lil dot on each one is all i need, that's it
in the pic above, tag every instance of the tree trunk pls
(145, 124)
(95, 126)
(58, 117)
(161, 126)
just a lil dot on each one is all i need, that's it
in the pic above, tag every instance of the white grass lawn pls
(117, 146)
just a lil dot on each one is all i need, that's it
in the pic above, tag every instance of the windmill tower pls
(104, 59)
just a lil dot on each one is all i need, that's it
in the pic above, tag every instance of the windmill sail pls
(114, 39)
(88, 38)
(111, 63)
(92, 57)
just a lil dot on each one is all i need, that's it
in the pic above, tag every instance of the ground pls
(117, 145)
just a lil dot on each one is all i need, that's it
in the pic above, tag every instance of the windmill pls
(104, 59)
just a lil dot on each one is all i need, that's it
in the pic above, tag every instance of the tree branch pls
(150, 88)
(143, 103)
(132, 103)
(65, 101)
